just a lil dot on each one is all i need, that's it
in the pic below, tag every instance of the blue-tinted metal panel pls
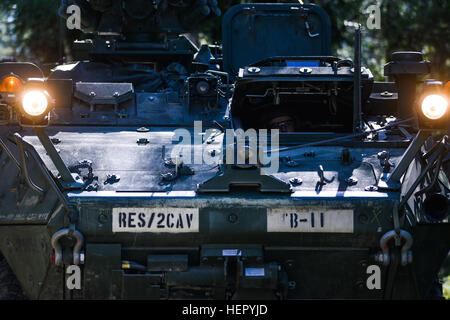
(302, 63)
(253, 32)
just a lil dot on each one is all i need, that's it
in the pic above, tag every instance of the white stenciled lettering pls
(131, 219)
(152, 217)
(155, 220)
(180, 222)
(309, 220)
(169, 220)
(122, 220)
(294, 218)
(189, 218)
(141, 222)
(161, 219)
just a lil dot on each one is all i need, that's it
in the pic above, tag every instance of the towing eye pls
(397, 234)
(406, 253)
(67, 232)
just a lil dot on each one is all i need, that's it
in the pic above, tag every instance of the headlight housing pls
(11, 84)
(34, 104)
(202, 88)
(433, 107)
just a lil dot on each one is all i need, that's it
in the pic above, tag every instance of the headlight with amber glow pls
(34, 103)
(434, 106)
(11, 84)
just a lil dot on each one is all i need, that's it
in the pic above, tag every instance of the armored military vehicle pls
(134, 168)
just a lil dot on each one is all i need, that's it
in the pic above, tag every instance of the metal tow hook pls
(76, 248)
(406, 253)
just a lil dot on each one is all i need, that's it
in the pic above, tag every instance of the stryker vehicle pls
(98, 166)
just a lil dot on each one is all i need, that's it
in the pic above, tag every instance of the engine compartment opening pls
(296, 107)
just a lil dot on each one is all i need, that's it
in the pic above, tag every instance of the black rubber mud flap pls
(9, 286)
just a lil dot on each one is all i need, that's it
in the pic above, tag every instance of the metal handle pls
(31, 184)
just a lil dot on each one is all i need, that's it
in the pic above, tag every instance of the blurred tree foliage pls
(32, 28)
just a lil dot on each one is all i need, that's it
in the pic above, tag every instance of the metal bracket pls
(47, 175)
(68, 180)
(357, 123)
(392, 181)
(232, 176)
(321, 174)
(31, 184)
(435, 158)
(89, 179)
(10, 155)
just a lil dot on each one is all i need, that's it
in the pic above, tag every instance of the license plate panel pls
(156, 220)
(310, 220)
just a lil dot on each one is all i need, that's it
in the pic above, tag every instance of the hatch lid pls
(254, 32)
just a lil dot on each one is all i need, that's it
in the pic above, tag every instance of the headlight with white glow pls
(35, 103)
(434, 106)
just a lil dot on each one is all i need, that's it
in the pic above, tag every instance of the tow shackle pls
(406, 253)
(76, 248)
